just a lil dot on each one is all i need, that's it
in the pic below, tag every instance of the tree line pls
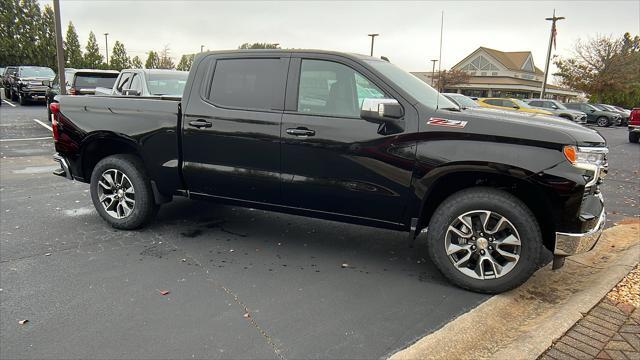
(27, 37)
(606, 68)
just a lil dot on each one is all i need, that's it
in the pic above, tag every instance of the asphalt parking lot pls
(242, 283)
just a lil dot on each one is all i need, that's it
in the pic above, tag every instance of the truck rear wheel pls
(634, 137)
(122, 193)
(484, 240)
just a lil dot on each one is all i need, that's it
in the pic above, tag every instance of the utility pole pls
(433, 70)
(106, 44)
(373, 36)
(440, 55)
(59, 47)
(201, 48)
(552, 40)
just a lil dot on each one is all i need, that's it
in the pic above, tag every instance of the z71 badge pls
(448, 123)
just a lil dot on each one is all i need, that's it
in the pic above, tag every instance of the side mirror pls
(555, 107)
(593, 110)
(516, 107)
(46, 83)
(380, 110)
(131, 92)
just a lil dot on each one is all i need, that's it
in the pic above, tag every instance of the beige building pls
(502, 74)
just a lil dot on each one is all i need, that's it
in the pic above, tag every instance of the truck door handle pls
(200, 123)
(300, 131)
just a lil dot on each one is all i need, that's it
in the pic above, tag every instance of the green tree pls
(72, 51)
(136, 63)
(153, 60)
(92, 57)
(185, 62)
(259, 46)
(119, 58)
(47, 39)
(27, 23)
(9, 45)
(165, 59)
(606, 68)
(446, 78)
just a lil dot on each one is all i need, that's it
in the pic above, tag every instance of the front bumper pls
(576, 243)
(65, 170)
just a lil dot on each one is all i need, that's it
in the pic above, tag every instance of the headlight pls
(579, 155)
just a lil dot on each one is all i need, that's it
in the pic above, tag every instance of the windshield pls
(462, 101)
(417, 88)
(560, 106)
(522, 104)
(93, 80)
(36, 72)
(169, 83)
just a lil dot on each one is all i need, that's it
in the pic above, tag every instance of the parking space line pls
(43, 124)
(26, 139)
(8, 103)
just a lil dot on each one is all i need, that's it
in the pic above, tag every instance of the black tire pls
(22, 99)
(496, 201)
(14, 96)
(7, 94)
(633, 137)
(603, 121)
(144, 209)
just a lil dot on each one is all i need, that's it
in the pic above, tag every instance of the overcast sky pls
(409, 31)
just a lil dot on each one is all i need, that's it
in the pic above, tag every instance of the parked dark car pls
(595, 115)
(634, 125)
(558, 109)
(624, 115)
(288, 131)
(26, 84)
(150, 82)
(8, 72)
(80, 82)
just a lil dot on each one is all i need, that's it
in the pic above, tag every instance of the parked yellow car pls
(510, 104)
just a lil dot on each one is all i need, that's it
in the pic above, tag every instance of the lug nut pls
(490, 247)
(473, 247)
(481, 252)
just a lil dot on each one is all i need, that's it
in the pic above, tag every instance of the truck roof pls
(354, 56)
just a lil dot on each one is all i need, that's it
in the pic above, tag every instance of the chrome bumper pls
(64, 167)
(571, 244)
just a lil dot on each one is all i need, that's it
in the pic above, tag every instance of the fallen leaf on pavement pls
(345, 265)
(164, 292)
(246, 315)
(47, 254)
(22, 322)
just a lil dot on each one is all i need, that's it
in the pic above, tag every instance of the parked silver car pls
(557, 109)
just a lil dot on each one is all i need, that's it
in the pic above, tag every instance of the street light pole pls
(552, 40)
(373, 36)
(433, 70)
(201, 48)
(59, 47)
(106, 44)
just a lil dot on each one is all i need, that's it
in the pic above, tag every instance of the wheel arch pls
(516, 181)
(99, 145)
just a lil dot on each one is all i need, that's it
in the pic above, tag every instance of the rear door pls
(231, 127)
(332, 160)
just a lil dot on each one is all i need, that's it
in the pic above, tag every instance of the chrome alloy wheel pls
(116, 193)
(482, 244)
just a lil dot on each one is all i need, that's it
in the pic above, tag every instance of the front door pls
(332, 160)
(231, 127)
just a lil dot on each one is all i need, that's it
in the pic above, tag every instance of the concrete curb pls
(523, 323)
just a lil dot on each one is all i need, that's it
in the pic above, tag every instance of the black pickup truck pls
(349, 138)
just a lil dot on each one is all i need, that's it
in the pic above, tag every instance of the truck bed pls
(150, 123)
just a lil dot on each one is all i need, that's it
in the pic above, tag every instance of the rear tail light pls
(55, 112)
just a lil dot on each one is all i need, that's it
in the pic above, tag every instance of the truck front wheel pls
(484, 240)
(122, 193)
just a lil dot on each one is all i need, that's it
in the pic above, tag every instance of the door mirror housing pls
(131, 92)
(381, 110)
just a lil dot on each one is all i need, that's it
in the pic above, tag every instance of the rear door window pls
(249, 84)
(494, 102)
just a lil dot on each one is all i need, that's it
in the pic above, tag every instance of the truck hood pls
(529, 126)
